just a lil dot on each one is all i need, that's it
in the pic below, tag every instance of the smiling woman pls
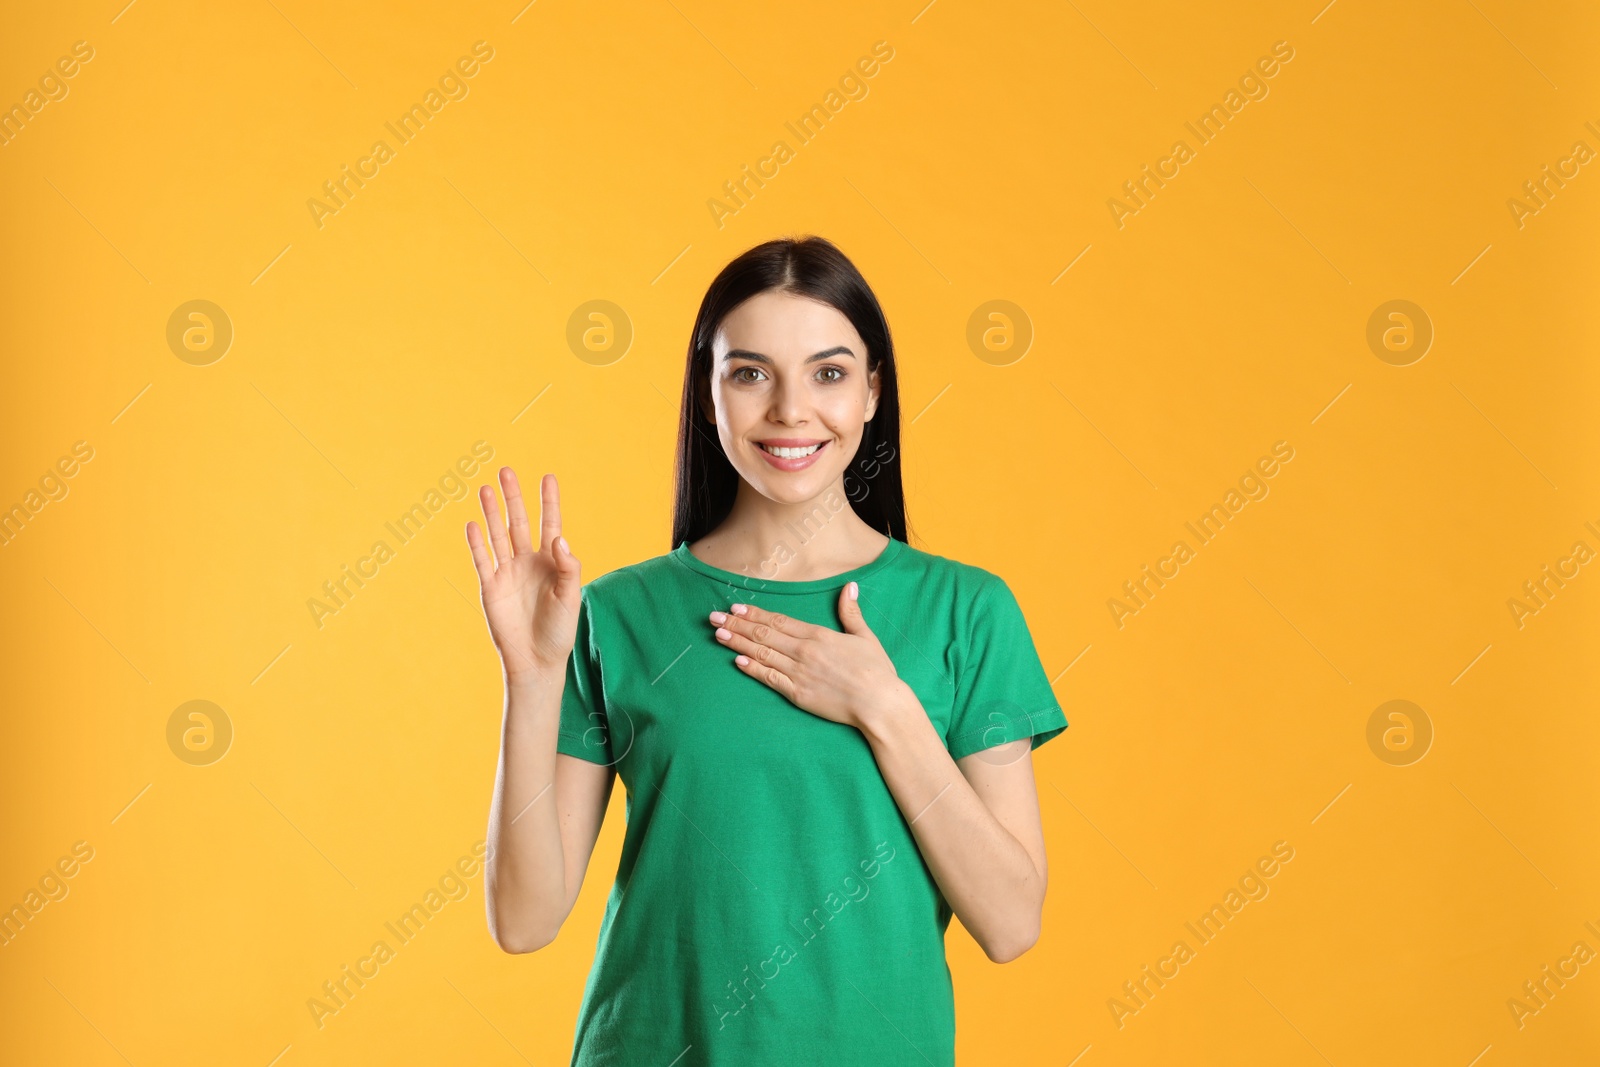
(880, 700)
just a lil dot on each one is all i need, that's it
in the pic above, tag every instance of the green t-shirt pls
(771, 906)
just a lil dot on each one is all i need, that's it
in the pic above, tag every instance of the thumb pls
(567, 565)
(850, 611)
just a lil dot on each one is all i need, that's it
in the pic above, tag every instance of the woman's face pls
(789, 374)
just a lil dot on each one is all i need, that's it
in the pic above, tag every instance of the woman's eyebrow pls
(741, 353)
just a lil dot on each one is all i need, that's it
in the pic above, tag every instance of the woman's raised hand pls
(530, 591)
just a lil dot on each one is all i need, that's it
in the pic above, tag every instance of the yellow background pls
(1228, 314)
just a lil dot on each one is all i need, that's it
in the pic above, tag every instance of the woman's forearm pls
(525, 873)
(985, 874)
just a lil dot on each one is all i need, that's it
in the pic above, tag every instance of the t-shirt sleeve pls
(1003, 693)
(583, 730)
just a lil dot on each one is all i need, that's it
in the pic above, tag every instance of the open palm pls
(530, 591)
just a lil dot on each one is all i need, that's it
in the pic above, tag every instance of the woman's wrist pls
(531, 704)
(533, 677)
(530, 683)
(886, 717)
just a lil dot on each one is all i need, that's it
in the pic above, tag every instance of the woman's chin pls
(791, 488)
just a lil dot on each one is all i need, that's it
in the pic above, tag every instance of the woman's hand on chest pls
(842, 677)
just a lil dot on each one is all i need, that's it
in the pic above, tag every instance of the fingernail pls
(854, 591)
(723, 635)
(718, 617)
(562, 541)
(741, 660)
(739, 609)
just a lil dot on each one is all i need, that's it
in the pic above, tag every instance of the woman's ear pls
(874, 391)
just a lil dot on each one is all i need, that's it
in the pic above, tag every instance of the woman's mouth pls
(790, 455)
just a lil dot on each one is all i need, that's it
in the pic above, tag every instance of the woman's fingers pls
(549, 512)
(763, 655)
(516, 512)
(495, 525)
(480, 555)
(770, 677)
(769, 628)
(520, 542)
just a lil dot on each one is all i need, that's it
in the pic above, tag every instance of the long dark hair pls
(813, 267)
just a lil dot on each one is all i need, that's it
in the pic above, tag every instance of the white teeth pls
(791, 453)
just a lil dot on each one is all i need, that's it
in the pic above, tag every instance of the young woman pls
(824, 733)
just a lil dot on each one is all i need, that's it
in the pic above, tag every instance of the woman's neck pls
(790, 542)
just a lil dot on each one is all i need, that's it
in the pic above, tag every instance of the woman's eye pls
(831, 370)
(740, 370)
